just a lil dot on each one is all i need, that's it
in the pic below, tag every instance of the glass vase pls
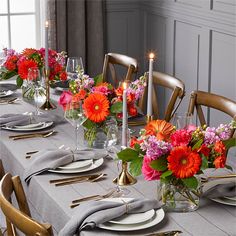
(28, 90)
(178, 198)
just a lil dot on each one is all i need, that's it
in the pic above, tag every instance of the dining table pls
(51, 204)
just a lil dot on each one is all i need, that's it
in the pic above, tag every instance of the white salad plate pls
(224, 200)
(131, 222)
(76, 165)
(94, 165)
(29, 127)
(7, 89)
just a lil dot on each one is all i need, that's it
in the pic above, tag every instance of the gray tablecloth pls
(51, 204)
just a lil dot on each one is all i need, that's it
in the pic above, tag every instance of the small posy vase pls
(178, 198)
(28, 90)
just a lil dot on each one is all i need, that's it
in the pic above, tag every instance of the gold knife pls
(167, 233)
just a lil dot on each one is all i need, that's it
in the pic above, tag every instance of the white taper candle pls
(46, 46)
(150, 83)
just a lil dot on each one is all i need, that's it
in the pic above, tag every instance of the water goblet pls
(75, 114)
(74, 67)
(182, 121)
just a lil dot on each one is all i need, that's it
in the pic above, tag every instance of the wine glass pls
(35, 81)
(75, 114)
(182, 121)
(74, 67)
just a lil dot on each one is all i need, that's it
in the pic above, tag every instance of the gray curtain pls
(78, 29)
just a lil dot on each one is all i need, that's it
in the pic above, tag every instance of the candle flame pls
(46, 24)
(125, 85)
(151, 55)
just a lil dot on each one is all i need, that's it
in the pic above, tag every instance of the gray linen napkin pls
(51, 159)
(14, 119)
(220, 188)
(91, 214)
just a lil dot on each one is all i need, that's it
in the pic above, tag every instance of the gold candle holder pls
(149, 118)
(124, 178)
(48, 105)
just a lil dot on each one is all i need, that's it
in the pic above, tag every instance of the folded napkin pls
(91, 214)
(220, 188)
(51, 159)
(14, 119)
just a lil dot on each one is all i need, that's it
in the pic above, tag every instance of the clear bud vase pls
(178, 198)
(27, 90)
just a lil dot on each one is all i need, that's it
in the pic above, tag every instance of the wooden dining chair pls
(19, 218)
(166, 81)
(211, 100)
(113, 59)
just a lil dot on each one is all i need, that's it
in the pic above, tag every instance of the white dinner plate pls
(231, 198)
(6, 93)
(7, 89)
(76, 165)
(157, 218)
(30, 127)
(128, 219)
(96, 164)
(225, 201)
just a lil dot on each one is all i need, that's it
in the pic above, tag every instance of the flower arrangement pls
(101, 101)
(176, 156)
(17, 64)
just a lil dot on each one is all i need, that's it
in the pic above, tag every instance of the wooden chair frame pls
(211, 100)
(166, 81)
(19, 218)
(114, 58)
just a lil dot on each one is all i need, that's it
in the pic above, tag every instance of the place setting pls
(7, 89)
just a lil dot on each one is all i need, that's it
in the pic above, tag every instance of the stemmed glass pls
(35, 80)
(74, 67)
(182, 121)
(74, 113)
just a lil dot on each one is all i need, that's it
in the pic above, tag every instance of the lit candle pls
(149, 101)
(46, 45)
(125, 117)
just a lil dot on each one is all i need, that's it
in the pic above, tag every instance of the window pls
(21, 23)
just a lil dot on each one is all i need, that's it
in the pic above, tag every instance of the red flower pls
(80, 95)
(119, 115)
(10, 64)
(119, 91)
(63, 76)
(220, 147)
(65, 98)
(130, 97)
(204, 150)
(29, 51)
(148, 172)
(183, 162)
(132, 110)
(23, 67)
(219, 162)
(180, 137)
(134, 141)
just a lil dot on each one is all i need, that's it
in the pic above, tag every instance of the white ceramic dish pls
(231, 198)
(7, 89)
(30, 127)
(6, 93)
(225, 201)
(128, 219)
(96, 164)
(76, 165)
(157, 218)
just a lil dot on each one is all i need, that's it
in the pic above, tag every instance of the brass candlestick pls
(124, 178)
(48, 105)
(149, 118)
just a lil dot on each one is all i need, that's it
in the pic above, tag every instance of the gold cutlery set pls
(33, 135)
(9, 101)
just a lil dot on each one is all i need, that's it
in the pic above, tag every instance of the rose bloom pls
(219, 162)
(180, 137)
(148, 172)
(63, 76)
(204, 150)
(220, 147)
(132, 110)
(65, 98)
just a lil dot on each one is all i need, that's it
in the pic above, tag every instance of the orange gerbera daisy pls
(159, 128)
(96, 106)
(183, 162)
(28, 52)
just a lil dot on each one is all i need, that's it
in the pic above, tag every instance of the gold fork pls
(34, 135)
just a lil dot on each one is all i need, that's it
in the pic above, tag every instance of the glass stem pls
(77, 138)
(36, 101)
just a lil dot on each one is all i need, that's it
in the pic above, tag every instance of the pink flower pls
(148, 172)
(191, 128)
(65, 98)
(180, 137)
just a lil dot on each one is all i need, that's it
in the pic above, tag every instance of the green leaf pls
(116, 107)
(228, 167)
(204, 163)
(128, 154)
(191, 182)
(136, 166)
(19, 81)
(88, 124)
(198, 144)
(229, 143)
(160, 164)
(98, 79)
(166, 174)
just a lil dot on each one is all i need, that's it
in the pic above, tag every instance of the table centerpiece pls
(18, 64)
(102, 104)
(177, 157)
